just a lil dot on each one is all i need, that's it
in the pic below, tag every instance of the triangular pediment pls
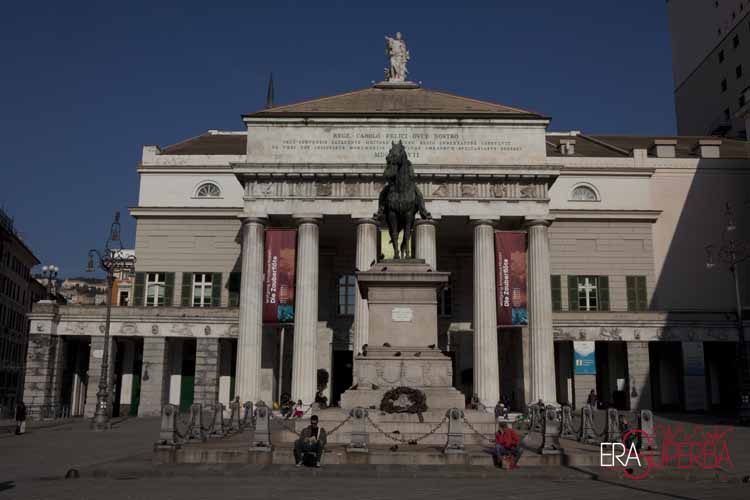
(395, 102)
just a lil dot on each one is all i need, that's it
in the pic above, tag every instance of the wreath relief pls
(404, 400)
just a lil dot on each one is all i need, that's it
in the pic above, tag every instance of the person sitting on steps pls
(507, 443)
(312, 441)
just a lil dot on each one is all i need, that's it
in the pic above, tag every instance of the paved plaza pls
(118, 465)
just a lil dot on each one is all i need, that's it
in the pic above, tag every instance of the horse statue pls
(400, 199)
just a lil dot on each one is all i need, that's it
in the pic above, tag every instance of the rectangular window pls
(155, 289)
(721, 56)
(637, 293)
(723, 85)
(726, 114)
(445, 301)
(202, 289)
(234, 289)
(736, 41)
(738, 71)
(556, 292)
(347, 288)
(588, 293)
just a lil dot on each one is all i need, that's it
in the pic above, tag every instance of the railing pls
(38, 411)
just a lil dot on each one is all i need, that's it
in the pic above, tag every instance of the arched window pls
(208, 190)
(584, 193)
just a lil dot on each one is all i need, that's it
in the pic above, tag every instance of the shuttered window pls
(555, 283)
(588, 293)
(234, 289)
(637, 293)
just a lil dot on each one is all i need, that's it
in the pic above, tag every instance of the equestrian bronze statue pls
(400, 200)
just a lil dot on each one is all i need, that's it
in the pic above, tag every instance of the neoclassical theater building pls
(619, 296)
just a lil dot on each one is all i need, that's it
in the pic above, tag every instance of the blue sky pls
(85, 84)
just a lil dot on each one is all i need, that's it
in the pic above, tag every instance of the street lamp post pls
(732, 252)
(111, 260)
(50, 274)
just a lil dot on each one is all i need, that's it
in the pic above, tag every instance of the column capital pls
(300, 219)
(479, 221)
(365, 220)
(253, 219)
(538, 221)
(431, 222)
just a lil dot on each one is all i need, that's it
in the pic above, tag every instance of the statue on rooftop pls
(399, 56)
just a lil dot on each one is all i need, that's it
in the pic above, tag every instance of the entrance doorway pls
(341, 379)
(721, 374)
(564, 371)
(612, 374)
(665, 365)
(74, 378)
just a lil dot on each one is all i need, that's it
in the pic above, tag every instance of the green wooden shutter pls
(572, 293)
(631, 292)
(216, 290)
(642, 293)
(556, 285)
(603, 290)
(169, 289)
(186, 296)
(234, 289)
(138, 288)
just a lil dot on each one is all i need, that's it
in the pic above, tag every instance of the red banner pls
(279, 270)
(510, 278)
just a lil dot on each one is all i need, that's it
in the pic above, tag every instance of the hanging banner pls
(510, 278)
(279, 275)
(584, 357)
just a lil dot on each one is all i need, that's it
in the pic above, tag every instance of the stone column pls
(206, 370)
(43, 370)
(249, 342)
(639, 373)
(541, 341)
(153, 376)
(425, 240)
(486, 369)
(367, 242)
(305, 354)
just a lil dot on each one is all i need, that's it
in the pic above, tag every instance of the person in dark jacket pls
(312, 440)
(20, 418)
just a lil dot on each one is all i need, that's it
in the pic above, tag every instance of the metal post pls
(101, 415)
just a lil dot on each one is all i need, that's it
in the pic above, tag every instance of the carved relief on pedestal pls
(527, 190)
(351, 189)
(500, 190)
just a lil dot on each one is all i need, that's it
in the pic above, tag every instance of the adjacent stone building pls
(18, 291)
(616, 226)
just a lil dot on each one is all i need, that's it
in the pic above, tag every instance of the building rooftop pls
(395, 101)
(622, 146)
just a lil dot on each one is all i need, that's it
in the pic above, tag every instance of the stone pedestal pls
(402, 302)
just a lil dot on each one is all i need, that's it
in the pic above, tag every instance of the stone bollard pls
(613, 426)
(646, 424)
(168, 432)
(567, 423)
(537, 417)
(359, 438)
(262, 437)
(196, 419)
(455, 443)
(587, 435)
(550, 432)
(234, 417)
(247, 418)
(217, 430)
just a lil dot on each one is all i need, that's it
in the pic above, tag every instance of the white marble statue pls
(396, 51)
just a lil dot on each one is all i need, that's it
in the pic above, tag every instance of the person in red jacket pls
(507, 443)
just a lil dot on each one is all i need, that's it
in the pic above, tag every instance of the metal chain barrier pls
(340, 425)
(483, 436)
(399, 439)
